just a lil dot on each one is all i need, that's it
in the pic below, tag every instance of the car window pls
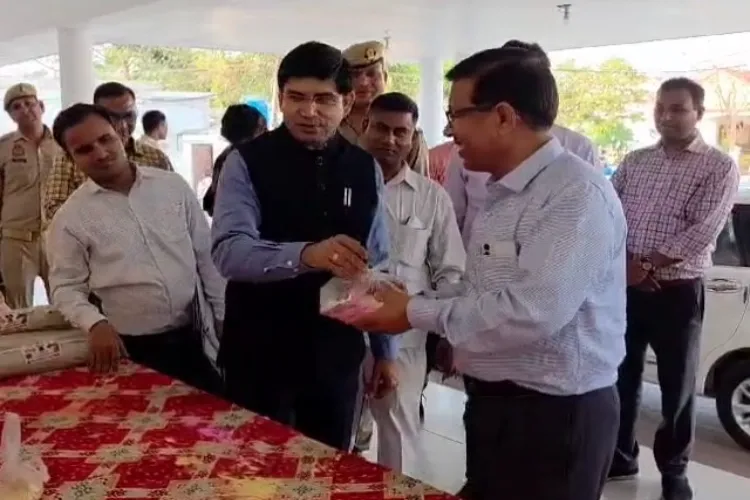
(733, 243)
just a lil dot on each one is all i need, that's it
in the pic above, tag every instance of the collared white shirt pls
(426, 247)
(142, 254)
(469, 189)
(543, 299)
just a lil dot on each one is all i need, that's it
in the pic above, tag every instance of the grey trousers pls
(523, 445)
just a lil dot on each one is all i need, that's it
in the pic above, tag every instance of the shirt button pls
(289, 263)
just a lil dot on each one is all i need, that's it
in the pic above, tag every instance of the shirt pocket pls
(411, 242)
(496, 262)
(169, 222)
(19, 175)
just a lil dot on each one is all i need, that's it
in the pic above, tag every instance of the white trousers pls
(397, 414)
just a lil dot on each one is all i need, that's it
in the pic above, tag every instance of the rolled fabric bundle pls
(42, 351)
(32, 319)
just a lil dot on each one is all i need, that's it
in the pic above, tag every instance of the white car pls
(724, 368)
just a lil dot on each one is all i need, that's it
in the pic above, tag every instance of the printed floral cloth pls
(141, 435)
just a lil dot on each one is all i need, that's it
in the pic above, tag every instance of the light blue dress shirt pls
(240, 254)
(542, 303)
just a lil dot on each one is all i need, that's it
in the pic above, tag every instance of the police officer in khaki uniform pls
(26, 157)
(370, 76)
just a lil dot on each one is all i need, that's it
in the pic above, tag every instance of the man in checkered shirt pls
(677, 196)
(65, 177)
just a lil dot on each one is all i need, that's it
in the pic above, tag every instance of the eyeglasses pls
(453, 114)
(127, 116)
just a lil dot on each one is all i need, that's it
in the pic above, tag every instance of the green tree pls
(229, 76)
(602, 102)
(404, 78)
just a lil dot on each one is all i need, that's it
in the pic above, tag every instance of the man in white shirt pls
(468, 189)
(426, 253)
(137, 239)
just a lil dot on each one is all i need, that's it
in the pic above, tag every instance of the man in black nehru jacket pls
(295, 207)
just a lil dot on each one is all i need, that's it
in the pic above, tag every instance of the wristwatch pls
(647, 265)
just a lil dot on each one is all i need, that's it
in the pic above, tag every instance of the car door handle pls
(721, 285)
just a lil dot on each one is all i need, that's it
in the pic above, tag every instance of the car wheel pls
(733, 402)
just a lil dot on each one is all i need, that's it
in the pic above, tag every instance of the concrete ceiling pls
(414, 27)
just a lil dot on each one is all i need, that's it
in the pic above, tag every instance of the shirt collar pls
(46, 135)
(140, 174)
(697, 145)
(523, 174)
(405, 175)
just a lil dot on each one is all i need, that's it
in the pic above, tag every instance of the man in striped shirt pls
(468, 189)
(539, 319)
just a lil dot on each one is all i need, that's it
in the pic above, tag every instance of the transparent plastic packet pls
(21, 477)
(349, 300)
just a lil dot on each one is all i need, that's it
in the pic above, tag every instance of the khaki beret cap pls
(365, 54)
(18, 91)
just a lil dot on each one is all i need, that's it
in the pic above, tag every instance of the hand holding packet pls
(350, 300)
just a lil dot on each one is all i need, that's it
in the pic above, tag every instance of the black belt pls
(503, 389)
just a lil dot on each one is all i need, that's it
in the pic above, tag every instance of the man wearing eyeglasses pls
(26, 157)
(468, 189)
(65, 177)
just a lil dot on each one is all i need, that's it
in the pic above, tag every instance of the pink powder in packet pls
(348, 301)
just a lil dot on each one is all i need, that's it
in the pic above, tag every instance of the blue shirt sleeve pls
(378, 241)
(240, 254)
(378, 248)
(237, 250)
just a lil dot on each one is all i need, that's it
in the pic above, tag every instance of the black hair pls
(152, 120)
(110, 90)
(533, 50)
(73, 116)
(240, 122)
(396, 101)
(523, 83)
(696, 91)
(315, 60)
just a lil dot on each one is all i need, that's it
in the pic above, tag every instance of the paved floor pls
(721, 470)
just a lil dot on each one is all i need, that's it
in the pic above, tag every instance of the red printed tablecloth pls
(141, 435)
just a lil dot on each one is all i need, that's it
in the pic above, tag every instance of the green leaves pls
(228, 75)
(602, 102)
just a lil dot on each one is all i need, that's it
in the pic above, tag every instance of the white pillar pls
(76, 65)
(432, 106)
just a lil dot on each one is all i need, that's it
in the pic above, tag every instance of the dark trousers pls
(670, 321)
(319, 401)
(524, 445)
(177, 353)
